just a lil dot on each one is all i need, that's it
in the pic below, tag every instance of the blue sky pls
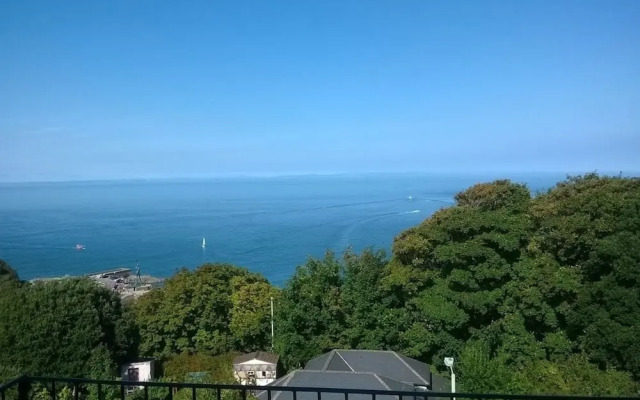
(147, 88)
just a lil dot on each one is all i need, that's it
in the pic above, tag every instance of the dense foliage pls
(331, 303)
(591, 226)
(7, 274)
(207, 368)
(531, 294)
(213, 310)
(71, 327)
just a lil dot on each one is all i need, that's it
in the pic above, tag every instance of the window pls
(264, 374)
(133, 374)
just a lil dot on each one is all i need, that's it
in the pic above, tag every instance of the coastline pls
(129, 286)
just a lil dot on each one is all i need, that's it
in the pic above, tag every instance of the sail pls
(204, 243)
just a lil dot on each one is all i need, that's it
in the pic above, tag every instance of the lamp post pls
(272, 335)
(448, 361)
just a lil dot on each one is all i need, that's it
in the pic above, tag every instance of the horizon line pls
(313, 174)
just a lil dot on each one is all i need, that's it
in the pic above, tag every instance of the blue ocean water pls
(268, 225)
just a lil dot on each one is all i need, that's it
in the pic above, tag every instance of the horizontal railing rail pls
(24, 384)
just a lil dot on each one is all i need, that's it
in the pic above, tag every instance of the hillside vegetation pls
(531, 294)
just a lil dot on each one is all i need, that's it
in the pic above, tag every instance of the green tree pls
(363, 303)
(575, 376)
(8, 372)
(63, 327)
(480, 371)
(457, 266)
(250, 323)
(591, 226)
(195, 310)
(332, 303)
(309, 316)
(7, 274)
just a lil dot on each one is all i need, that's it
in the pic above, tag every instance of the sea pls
(268, 225)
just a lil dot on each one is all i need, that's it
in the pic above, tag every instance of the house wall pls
(245, 378)
(145, 371)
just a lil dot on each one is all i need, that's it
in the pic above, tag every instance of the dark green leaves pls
(71, 327)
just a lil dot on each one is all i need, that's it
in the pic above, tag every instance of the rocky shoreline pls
(121, 280)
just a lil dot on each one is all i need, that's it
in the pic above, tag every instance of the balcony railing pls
(31, 388)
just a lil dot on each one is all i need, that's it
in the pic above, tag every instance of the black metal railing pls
(54, 388)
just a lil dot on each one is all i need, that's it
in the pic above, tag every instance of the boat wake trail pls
(346, 235)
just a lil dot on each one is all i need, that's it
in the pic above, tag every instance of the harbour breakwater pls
(128, 285)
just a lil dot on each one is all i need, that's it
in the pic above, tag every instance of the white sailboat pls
(204, 243)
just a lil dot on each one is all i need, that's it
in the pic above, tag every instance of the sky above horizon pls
(149, 89)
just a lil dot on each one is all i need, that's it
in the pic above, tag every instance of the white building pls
(140, 370)
(257, 368)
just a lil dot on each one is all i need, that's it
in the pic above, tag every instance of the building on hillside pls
(387, 364)
(336, 380)
(139, 370)
(360, 369)
(257, 368)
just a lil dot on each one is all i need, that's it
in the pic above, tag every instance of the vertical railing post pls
(218, 394)
(244, 394)
(121, 391)
(146, 392)
(99, 391)
(346, 395)
(53, 391)
(170, 392)
(319, 395)
(193, 393)
(295, 395)
(268, 394)
(23, 388)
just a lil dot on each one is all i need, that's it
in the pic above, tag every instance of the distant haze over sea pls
(268, 225)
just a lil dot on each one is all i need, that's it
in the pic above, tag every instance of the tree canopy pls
(66, 327)
(7, 274)
(591, 226)
(520, 288)
(213, 309)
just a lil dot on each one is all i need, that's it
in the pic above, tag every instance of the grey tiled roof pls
(387, 364)
(334, 379)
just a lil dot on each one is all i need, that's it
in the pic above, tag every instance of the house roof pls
(440, 384)
(334, 379)
(388, 364)
(257, 355)
(141, 360)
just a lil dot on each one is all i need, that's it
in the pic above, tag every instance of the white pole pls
(272, 335)
(453, 382)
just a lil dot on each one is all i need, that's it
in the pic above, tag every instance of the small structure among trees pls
(139, 370)
(257, 368)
